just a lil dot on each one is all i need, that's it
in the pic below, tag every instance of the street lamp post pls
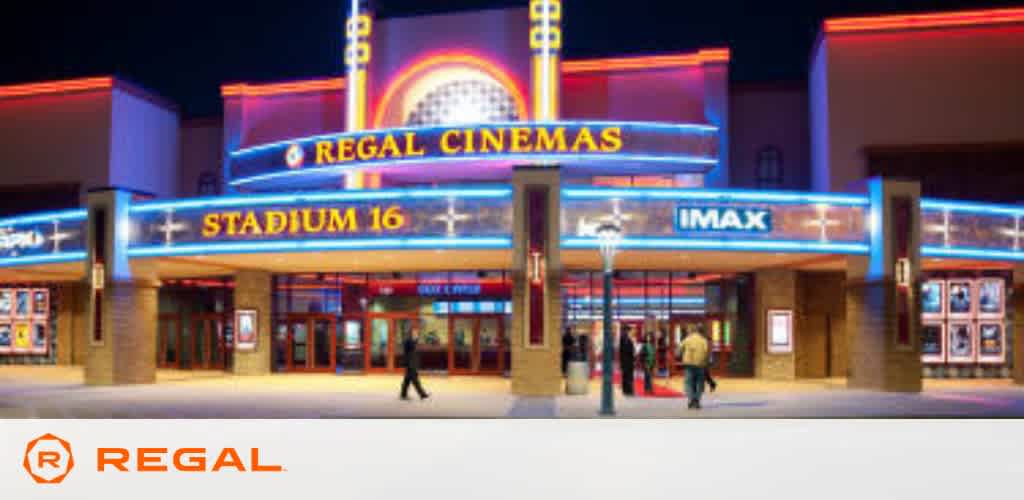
(608, 235)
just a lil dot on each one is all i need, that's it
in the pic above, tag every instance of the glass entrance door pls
(210, 344)
(311, 342)
(348, 346)
(379, 351)
(478, 344)
(168, 341)
(387, 332)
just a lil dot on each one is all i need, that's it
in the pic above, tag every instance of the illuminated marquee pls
(43, 238)
(687, 147)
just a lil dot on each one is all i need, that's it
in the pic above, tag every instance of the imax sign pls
(753, 220)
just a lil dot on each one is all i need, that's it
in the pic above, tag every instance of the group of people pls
(694, 352)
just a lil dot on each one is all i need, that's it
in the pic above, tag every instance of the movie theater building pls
(861, 226)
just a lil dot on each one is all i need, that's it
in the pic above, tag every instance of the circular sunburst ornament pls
(294, 156)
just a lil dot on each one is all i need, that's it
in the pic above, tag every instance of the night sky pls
(184, 49)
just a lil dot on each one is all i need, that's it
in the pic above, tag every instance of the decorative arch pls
(437, 62)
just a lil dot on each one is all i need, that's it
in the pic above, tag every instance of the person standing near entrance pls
(412, 365)
(648, 355)
(568, 344)
(626, 361)
(695, 360)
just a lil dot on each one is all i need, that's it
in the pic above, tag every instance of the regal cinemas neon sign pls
(451, 142)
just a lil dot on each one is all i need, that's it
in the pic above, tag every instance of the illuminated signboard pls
(683, 146)
(703, 219)
(43, 238)
(356, 220)
(969, 230)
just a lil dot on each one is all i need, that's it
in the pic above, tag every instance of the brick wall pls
(536, 371)
(821, 311)
(774, 289)
(875, 362)
(127, 354)
(1018, 328)
(252, 291)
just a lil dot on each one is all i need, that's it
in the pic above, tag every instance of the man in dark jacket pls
(412, 365)
(568, 345)
(626, 361)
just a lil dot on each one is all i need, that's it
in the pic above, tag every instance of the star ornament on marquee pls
(1016, 233)
(946, 228)
(57, 236)
(617, 218)
(451, 218)
(822, 222)
(170, 227)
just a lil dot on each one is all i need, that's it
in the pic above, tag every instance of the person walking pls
(627, 361)
(568, 345)
(712, 385)
(648, 355)
(695, 360)
(412, 365)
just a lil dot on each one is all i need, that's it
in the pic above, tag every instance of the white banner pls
(509, 459)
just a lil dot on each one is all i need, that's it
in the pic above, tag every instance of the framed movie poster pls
(22, 303)
(991, 342)
(6, 338)
(991, 298)
(933, 299)
(40, 337)
(933, 342)
(41, 303)
(780, 331)
(961, 299)
(6, 302)
(961, 342)
(246, 329)
(22, 337)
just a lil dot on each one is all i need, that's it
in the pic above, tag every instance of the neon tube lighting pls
(42, 259)
(333, 196)
(972, 207)
(697, 301)
(272, 89)
(77, 214)
(716, 195)
(743, 245)
(314, 245)
(564, 158)
(696, 127)
(971, 253)
(924, 21)
(56, 87)
(707, 56)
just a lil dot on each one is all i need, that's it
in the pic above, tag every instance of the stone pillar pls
(821, 313)
(536, 363)
(1017, 309)
(882, 320)
(774, 289)
(124, 350)
(252, 291)
(67, 298)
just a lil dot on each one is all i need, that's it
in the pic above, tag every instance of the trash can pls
(577, 380)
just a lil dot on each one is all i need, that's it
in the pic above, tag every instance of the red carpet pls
(660, 390)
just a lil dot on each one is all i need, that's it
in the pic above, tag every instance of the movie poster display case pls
(24, 321)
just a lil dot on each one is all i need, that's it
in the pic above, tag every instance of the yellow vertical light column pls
(545, 50)
(358, 29)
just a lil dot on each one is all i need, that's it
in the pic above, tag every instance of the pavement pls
(59, 392)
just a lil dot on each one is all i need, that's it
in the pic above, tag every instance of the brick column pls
(821, 313)
(536, 368)
(774, 289)
(1017, 309)
(70, 318)
(882, 324)
(252, 291)
(124, 352)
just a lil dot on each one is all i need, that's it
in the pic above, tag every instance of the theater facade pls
(453, 181)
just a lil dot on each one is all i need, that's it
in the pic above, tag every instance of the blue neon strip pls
(746, 245)
(972, 207)
(596, 123)
(322, 197)
(314, 245)
(563, 158)
(694, 301)
(971, 253)
(734, 195)
(42, 259)
(76, 214)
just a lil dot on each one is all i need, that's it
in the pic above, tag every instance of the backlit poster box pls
(6, 302)
(991, 303)
(991, 342)
(933, 299)
(961, 342)
(22, 338)
(41, 303)
(780, 331)
(933, 342)
(22, 303)
(961, 299)
(246, 329)
(6, 338)
(40, 338)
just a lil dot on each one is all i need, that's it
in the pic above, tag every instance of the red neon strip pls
(269, 89)
(922, 21)
(708, 56)
(56, 87)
